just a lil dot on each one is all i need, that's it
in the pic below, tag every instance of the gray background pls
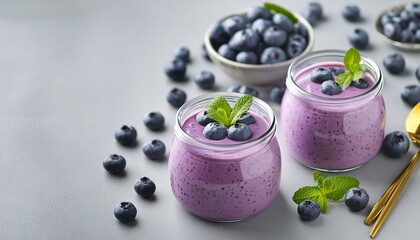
(72, 72)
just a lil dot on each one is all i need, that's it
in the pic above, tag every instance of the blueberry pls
(360, 83)
(260, 25)
(234, 88)
(417, 36)
(145, 187)
(244, 89)
(272, 55)
(308, 210)
(337, 70)
(176, 69)
(394, 63)
(356, 199)
(227, 52)
(407, 36)
(114, 164)
(295, 46)
(203, 119)
(395, 144)
(239, 132)
(247, 57)
(392, 30)
(275, 36)
(125, 212)
(351, 12)
(233, 24)
(413, 8)
(283, 22)
(154, 149)
(418, 73)
(330, 87)
(359, 38)
(126, 135)
(313, 12)
(218, 36)
(154, 121)
(321, 74)
(176, 97)
(247, 119)
(244, 40)
(204, 53)
(215, 131)
(182, 53)
(277, 93)
(411, 94)
(258, 13)
(204, 79)
(300, 29)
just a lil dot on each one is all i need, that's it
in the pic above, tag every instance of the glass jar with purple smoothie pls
(332, 131)
(224, 180)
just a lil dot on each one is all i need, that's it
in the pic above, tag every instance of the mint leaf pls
(354, 68)
(319, 178)
(277, 9)
(219, 110)
(241, 106)
(336, 187)
(351, 58)
(344, 80)
(312, 193)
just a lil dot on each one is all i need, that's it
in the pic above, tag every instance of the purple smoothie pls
(332, 133)
(225, 180)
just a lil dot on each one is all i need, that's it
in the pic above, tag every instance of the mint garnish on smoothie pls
(354, 69)
(220, 110)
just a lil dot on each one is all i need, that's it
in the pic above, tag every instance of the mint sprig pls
(354, 69)
(328, 188)
(277, 9)
(220, 110)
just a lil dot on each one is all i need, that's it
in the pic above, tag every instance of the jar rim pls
(296, 89)
(265, 137)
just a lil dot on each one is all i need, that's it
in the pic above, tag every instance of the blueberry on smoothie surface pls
(360, 83)
(203, 119)
(394, 63)
(330, 87)
(247, 119)
(239, 132)
(126, 135)
(125, 212)
(337, 70)
(395, 144)
(145, 187)
(215, 131)
(154, 121)
(321, 74)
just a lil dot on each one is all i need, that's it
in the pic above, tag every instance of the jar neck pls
(315, 58)
(200, 103)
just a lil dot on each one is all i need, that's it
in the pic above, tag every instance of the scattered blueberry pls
(176, 69)
(411, 94)
(272, 55)
(145, 187)
(275, 36)
(204, 80)
(395, 144)
(244, 89)
(360, 83)
(114, 164)
(321, 74)
(283, 22)
(258, 13)
(233, 24)
(227, 52)
(359, 38)
(351, 12)
(126, 135)
(356, 199)
(218, 36)
(154, 121)
(239, 132)
(234, 88)
(418, 73)
(313, 13)
(154, 149)
(247, 57)
(203, 119)
(176, 97)
(277, 93)
(309, 210)
(337, 70)
(247, 119)
(125, 212)
(330, 87)
(204, 53)
(244, 40)
(182, 53)
(394, 63)
(215, 131)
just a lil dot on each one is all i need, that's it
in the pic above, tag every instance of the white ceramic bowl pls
(257, 74)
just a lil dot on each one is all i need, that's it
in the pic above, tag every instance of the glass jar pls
(224, 181)
(332, 133)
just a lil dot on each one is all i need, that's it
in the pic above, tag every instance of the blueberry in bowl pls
(399, 26)
(257, 45)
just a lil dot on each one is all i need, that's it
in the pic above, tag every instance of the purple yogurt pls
(224, 180)
(332, 133)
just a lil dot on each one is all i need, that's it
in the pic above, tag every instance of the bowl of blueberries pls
(256, 46)
(400, 26)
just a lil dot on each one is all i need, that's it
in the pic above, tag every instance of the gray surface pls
(71, 72)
